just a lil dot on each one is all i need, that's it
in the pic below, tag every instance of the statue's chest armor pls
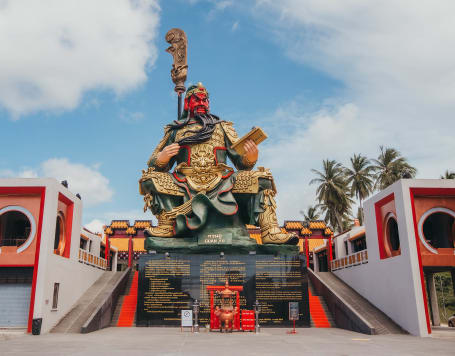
(202, 155)
(203, 173)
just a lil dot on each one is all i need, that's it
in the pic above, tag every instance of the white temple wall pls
(391, 284)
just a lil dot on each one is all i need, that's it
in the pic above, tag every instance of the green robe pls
(218, 207)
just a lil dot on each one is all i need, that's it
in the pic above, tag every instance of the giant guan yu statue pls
(189, 185)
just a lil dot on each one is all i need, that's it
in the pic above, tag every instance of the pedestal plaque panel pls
(168, 285)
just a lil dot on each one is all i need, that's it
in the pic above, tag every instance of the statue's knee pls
(265, 184)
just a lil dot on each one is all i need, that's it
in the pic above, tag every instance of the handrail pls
(92, 260)
(354, 259)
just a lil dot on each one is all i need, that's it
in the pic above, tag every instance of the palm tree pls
(448, 175)
(333, 192)
(332, 218)
(311, 213)
(390, 167)
(360, 177)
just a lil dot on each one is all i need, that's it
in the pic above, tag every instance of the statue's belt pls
(204, 179)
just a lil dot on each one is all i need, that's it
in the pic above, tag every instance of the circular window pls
(392, 236)
(59, 239)
(438, 230)
(17, 227)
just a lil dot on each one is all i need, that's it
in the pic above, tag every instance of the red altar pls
(247, 316)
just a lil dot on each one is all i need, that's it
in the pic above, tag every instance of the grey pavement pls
(171, 341)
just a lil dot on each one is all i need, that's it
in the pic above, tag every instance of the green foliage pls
(448, 175)
(311, 213)
(446, 299)
(390, 167)
(360, 177)
(337, 184)
(333, 192)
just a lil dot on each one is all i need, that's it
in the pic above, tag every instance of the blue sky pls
(85, 89)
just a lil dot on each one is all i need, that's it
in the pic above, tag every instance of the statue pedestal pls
(191, 245)
(273, 274)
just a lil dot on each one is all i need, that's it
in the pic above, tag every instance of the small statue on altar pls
(227, 312)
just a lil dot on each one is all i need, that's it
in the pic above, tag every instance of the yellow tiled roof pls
(142, 224)
(118, 224)
(283, 230)
(317, 225)
(328, 231)
(130, 231)
(108, 231)
(313, 243)
(293, 225)
(305, 231)
(251, 226)
(138, 244)
(120, 243)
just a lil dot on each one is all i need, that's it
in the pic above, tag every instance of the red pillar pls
(329, 257)
(107, 253)
(307, 253)
(130, 251)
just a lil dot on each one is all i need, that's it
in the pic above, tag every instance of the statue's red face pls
(197, 103)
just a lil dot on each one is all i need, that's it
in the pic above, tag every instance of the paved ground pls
(170, 341)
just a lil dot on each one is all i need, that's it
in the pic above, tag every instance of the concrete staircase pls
(378, 322)
(88, 303)
(320, 315)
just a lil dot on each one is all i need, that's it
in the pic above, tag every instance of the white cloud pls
(384, 51)
(218, 6)
(329, 133)
(235, 26)
(88, 181)
(95, 226)
(396, 61)
(23, 173)
(55, 51)
(131, 215)
(93, 187)
(131, 116)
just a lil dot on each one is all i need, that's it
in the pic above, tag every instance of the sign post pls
(293, 315)
(187, 319)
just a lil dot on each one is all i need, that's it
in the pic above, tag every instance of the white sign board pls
(187, 318)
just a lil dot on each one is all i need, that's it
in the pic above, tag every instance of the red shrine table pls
(247, 315)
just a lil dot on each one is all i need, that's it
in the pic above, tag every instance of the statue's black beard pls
(208, 122)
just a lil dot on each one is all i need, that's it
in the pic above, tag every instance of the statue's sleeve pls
(165, 141)
(231, 137)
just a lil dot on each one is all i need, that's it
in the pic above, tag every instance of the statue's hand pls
(251, 153)
(167, 153)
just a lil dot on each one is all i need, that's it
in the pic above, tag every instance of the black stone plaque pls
(167, 285)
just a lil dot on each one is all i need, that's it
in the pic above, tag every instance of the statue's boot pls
(165, 227)
(270, 231)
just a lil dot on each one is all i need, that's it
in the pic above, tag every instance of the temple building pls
(52, 268)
